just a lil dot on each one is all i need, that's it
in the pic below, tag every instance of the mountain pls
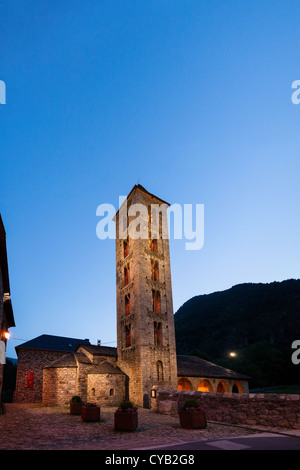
(258, 321)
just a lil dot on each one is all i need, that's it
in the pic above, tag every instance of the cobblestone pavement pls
(35, 427)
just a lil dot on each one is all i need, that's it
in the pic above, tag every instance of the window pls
(159, 368)
(155, 301)
(111, 392)
(127, 305)
(29, 383)
(126, 275)
(153, 245)
(126, 248)
(128, 335)
(157, 334)
(154, 271)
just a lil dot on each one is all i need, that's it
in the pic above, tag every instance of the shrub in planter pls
(126, 417)
(192, 415)
(75, 405)
(90, 412)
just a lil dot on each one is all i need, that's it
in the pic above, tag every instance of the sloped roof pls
(67, 360)
(139, 187)
(106, 368)
(53, 343)
(193, 366)
(99, 350)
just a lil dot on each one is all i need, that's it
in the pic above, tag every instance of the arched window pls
(156, 301)
(205, 386)
(154, 271)
(128, 335)
(126, 275)
(153, 245)
(127, 305)
(111, 392)
(184, 384)
(237, 388)
(222, 387)
(126, 248)
(157, 334)
(160, 372)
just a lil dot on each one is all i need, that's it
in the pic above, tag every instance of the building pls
(6, 312)
(145, 358)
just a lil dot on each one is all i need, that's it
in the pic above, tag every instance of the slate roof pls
(67, 360)
(99, 350)
(193, 366)
(106, 368)
(53, 343)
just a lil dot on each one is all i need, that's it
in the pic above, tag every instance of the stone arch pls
(184, 384)
(222, 387)
(237, 387)
(205, 386)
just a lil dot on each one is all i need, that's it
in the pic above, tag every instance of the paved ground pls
(260, 441)
(33, 426)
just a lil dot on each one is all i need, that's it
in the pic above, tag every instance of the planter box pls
(192, 419)
(126, 421)
(90, 413)
(75, 408)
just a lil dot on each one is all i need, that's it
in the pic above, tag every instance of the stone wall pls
(59, 385)
(30, 360)
(106, 389)
(270, 410)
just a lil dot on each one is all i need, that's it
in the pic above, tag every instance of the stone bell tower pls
(145, 321)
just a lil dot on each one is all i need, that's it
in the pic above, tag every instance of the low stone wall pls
(270, 410)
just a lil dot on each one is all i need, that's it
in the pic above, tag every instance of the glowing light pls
(232, 354)
(6, 335)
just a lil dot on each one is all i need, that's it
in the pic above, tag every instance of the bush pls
(127, 407)
(76, 399)
(191, 403)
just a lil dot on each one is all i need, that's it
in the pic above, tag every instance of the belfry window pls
(155, 301)
(126, 248)
(157, 334)
(154, 271)
(128, 336)
(127, 305)
(153, 244)
(159, 369)
(126, 275)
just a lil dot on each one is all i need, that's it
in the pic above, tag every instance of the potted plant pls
(75, 405)
(126, 417)
(90, 412)
(192, 415)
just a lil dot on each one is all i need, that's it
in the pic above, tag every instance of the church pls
(52, 369)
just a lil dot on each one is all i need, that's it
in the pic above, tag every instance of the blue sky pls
(192, 99)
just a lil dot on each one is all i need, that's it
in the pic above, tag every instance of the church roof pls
(106, 368)
(67, 360)
(194, 366)
(53, 343)
(99, 350)
(139, 187)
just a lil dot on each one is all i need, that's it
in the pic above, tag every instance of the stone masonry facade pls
(266, 410)
(145, 321)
